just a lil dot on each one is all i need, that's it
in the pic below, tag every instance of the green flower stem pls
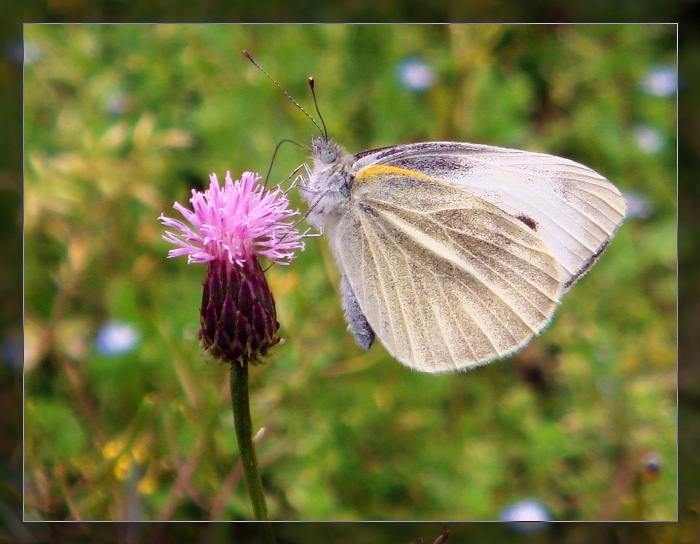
(244, 435)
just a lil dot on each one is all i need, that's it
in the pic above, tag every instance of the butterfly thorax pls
(327, 189)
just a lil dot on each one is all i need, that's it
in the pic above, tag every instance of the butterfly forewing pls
(574, 210)
(445, 279)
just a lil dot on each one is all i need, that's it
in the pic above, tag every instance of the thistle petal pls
(235, 223)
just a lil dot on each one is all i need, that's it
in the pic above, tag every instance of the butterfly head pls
(323, 150)
(327, 188)
(332, 169)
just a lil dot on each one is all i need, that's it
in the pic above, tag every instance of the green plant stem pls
(244, 435)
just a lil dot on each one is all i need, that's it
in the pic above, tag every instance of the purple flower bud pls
(237, 318)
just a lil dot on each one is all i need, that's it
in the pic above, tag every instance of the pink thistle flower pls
(231, 227)
(235, 223)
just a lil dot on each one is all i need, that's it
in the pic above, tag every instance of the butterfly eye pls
(329, 154)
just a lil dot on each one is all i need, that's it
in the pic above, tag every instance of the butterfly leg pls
(301, 180)
(357, 322)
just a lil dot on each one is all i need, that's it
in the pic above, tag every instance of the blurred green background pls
(121, 121)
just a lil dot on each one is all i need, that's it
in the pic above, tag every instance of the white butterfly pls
(456, 254)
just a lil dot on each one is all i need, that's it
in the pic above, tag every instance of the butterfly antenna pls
(251, 59)
(313, 93)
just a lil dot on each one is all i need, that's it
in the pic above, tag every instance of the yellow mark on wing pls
(366, 173)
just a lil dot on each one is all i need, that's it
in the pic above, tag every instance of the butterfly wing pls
(573, 209)
(445, 279)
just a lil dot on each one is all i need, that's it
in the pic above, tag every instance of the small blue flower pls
(649, 139)
(115, 338)
(638, 206)
(660, 81)
(526, 516)
(117, 104)
(416, 75)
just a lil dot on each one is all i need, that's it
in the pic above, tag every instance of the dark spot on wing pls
(585, 266)
(529, 221)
